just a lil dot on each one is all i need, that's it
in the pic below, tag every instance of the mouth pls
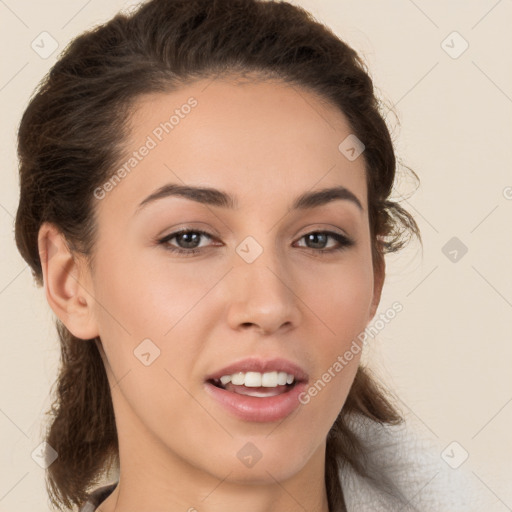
(256, 390)
(256, 384)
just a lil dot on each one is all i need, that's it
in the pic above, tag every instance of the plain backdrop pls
(446, 68)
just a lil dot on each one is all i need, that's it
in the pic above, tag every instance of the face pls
(258, 291)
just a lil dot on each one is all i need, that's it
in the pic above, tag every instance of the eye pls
(190, 238)
(188, 241)
(320, 238)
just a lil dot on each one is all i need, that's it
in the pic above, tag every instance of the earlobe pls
(65, 292)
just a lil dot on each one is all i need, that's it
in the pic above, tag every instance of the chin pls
(261, 460)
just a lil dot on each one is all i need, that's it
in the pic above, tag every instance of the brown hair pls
(71, 139)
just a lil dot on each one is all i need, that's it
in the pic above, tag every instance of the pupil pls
(313, 236)
(191, 235)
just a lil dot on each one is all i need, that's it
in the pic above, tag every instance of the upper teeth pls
(257, 379)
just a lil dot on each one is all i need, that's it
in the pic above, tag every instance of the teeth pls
(225, 379)
(269, 380)
(281, 378)
(238, 378)
(257, 379)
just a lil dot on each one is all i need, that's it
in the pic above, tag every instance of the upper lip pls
(254, 364)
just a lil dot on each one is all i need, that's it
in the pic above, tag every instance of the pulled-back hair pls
(72, 136)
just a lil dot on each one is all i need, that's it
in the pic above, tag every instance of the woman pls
(205, 198)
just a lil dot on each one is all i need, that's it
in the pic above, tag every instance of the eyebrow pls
(215, 197)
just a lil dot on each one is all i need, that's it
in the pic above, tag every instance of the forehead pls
(252, 138)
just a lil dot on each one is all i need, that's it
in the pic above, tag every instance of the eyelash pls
(343, 240)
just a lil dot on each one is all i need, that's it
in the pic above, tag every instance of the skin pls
(265, 143)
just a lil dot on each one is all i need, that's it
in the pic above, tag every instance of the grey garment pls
(420, 479)
(97, 497)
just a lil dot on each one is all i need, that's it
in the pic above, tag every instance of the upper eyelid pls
(310, 229)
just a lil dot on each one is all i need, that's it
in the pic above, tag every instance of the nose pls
(262, 296)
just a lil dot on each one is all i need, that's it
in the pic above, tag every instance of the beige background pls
(448, 354)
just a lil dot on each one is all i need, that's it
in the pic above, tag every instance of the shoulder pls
(97, 497)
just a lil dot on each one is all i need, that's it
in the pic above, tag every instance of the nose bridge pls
(264, 294)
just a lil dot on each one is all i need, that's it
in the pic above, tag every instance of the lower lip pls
(259, 409)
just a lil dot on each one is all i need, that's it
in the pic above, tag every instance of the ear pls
(379, 274)
(66, 281)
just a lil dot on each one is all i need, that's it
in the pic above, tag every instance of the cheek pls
(148, 296)
(341, 296)
(157, 308)
(146, 315)
(341, 299)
